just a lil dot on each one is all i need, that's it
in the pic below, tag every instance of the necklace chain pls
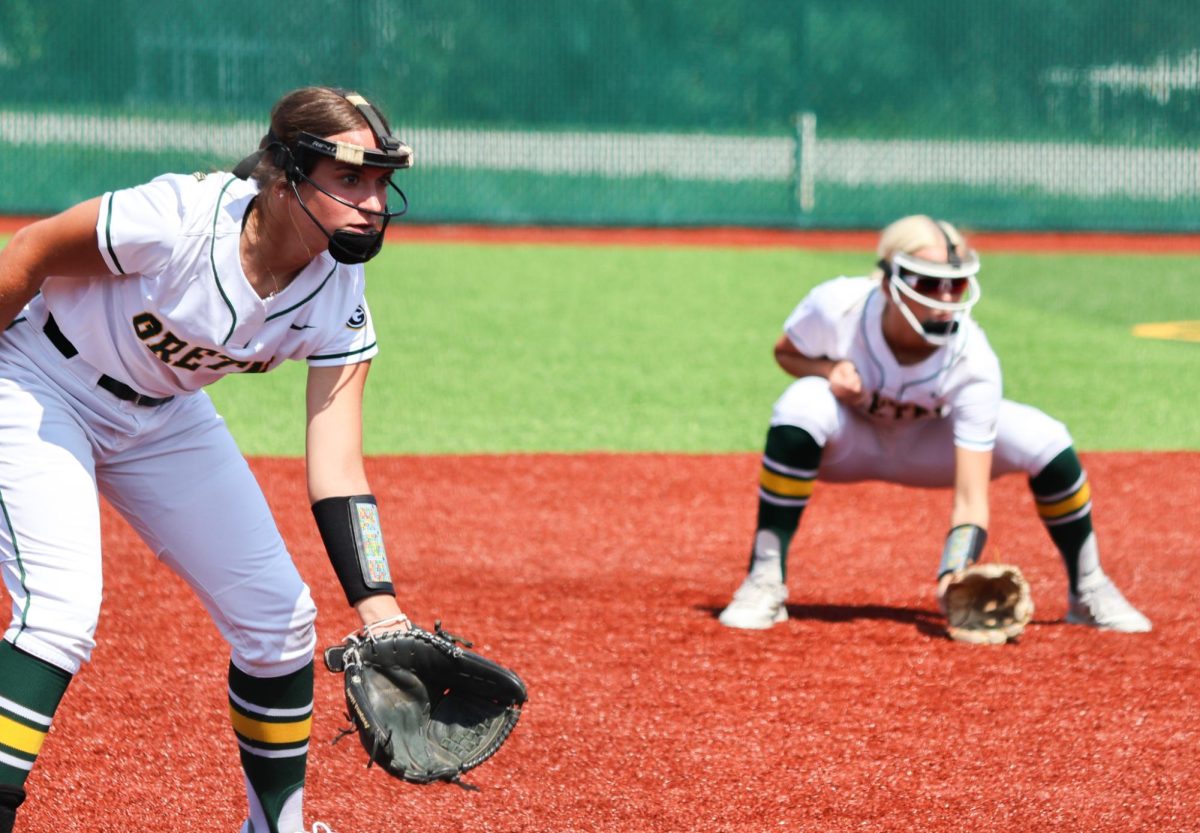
(262, 261)
(274, 281)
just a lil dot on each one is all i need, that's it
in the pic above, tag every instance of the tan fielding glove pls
(987, 604)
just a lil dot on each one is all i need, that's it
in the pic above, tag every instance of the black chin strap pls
(351, 246)
(348, 246)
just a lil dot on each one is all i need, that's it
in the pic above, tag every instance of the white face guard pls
(914, 277)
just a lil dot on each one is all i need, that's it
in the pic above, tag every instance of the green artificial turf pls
(498, 348)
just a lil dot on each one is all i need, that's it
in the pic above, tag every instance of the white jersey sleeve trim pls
(971, 445)
(104, 232)
(137, 227)
(354, 342)
(371, 348)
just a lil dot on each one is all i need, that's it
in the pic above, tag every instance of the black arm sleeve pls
(353, 539)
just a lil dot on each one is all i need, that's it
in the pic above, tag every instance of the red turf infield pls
(597, 577)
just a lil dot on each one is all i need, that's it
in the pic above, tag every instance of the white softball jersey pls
(177, 313)
(917, 413)
(182, 314)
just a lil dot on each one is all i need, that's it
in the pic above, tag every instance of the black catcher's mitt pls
(425, 708)
(987, 604)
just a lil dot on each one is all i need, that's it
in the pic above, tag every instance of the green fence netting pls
(1055, 114)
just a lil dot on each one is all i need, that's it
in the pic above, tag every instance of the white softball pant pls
(911, 453)
(173, 471)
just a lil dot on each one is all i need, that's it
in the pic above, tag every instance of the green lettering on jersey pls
(167, 347)
(146, 325)
(193, 358)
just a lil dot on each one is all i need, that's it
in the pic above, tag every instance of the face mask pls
(347, 246)
(904, 276)
(298, 157)
(352, 246)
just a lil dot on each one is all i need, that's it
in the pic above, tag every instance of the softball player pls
(117, 313)
(896, 382)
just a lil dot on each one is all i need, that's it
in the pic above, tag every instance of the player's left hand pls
(986, 604)
(425, 708)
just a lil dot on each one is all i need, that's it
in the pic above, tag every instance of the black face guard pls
(298, 158)
(344, 245)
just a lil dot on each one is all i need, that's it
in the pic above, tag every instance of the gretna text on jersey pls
(169, 347)
(883, 407)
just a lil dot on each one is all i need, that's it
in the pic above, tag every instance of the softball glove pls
(987, 604)
(425, 708)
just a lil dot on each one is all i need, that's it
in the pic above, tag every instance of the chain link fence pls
(1067, 114)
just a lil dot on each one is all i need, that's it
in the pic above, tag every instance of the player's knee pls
(1056, 433)
(54, 647)
(1028, 440)
(58, 631)
(808, 403)
(280, 644)
(1055, 444)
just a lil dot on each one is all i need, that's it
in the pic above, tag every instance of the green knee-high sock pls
(1064, 503)
(30, 691)
(785, 483)
(272, 718)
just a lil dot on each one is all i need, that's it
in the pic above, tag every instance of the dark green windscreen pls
(1075, 114)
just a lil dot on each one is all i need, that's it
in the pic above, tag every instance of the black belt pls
(116, 388)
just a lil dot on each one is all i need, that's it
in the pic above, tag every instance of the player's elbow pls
(786, 355)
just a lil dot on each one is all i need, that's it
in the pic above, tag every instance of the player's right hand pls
(846, 385)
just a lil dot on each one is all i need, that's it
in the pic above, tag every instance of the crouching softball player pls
(895, 382)
(117, 313)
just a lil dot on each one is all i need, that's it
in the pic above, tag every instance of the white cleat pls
(757, 605)
(1105, 608)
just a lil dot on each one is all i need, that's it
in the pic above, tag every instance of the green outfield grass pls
(497, 348)
(525, 348)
